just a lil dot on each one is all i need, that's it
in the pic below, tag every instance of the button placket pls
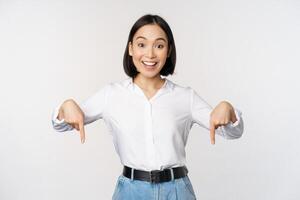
(149, 131)
(151, 122)
(154, 142)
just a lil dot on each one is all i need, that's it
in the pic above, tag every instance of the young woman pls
(150, 117)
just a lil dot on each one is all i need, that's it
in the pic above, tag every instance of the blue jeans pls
(177, 189)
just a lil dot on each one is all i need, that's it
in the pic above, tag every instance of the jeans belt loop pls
(172, 174)
(132, 175)
(153, 178)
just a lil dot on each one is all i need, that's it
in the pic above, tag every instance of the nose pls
(150, 53)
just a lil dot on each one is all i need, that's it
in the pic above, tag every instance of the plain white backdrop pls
(245, 52)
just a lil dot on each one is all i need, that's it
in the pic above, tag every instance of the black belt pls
(155, 176)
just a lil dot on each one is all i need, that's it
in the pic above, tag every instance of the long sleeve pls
(200, 112)
(93, 108)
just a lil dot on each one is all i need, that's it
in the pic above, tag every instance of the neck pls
(149, 83)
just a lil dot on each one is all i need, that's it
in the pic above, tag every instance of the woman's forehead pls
(150, 32)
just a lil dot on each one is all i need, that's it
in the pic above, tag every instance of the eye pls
(140, 45)
(160, 46)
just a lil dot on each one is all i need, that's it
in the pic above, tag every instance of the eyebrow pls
(146, 38)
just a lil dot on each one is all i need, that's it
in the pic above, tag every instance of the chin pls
(149, 75)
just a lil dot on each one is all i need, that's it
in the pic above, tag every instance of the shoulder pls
(123, 83)
(117, 86)
(180, 88)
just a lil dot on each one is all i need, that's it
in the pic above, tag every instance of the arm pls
(201, 112)
(92, 108)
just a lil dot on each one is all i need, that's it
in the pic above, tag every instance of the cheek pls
(137, 55)
(164, 52)
(136, 59)
(163, 55)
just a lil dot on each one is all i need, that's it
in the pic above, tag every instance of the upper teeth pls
(149, 63)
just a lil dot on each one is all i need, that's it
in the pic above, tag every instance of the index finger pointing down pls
(212, 133)
(82, 132)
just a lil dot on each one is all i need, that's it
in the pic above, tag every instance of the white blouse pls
(149, 134)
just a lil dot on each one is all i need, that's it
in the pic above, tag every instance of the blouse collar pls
(168, 85)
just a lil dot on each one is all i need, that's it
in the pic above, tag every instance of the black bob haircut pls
(169, 66)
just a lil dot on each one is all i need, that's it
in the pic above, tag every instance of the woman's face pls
(149, 50)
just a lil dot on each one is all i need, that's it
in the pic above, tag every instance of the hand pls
(221, 115)
(74, 116)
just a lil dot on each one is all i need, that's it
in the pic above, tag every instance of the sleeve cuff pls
(238, 115)
(55, 115)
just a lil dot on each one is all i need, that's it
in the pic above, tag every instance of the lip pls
(149, 67)
(145, 62)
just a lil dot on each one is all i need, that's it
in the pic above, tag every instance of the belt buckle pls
(153, 177)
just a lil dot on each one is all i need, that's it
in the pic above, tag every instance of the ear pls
(130, 48)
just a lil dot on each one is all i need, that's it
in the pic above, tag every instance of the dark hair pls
(169, 66)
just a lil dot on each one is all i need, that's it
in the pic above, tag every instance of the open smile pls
(149, 65)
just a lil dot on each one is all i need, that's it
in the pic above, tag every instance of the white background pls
(245, 52)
